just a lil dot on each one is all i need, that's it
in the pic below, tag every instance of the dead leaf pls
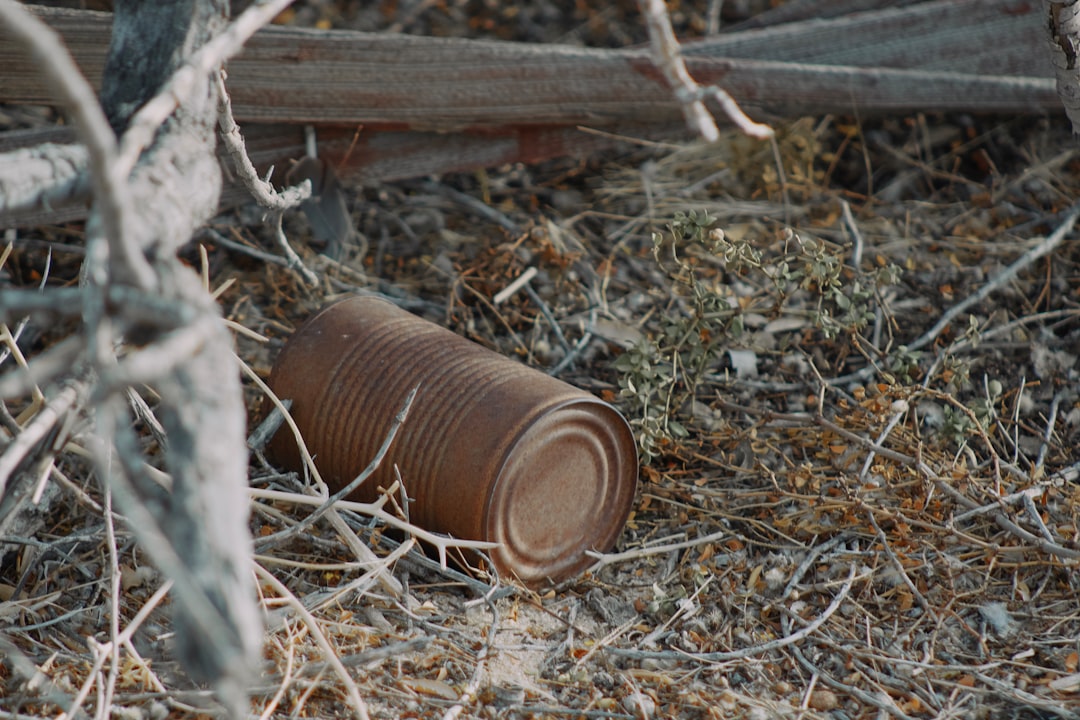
(434, 688)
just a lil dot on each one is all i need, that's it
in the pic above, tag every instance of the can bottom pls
(566, 487)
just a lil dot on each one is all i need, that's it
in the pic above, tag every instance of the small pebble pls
(823, 700)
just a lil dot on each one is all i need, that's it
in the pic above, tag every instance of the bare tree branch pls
(152, 188)
(185, 81)
(260, 189)
(691, 96)
(1063, 39)
(93, 129)
(44, 176)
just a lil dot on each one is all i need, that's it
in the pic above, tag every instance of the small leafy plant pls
(660, 376)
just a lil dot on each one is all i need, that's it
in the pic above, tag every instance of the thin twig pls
(389, 582)
(373, 510)
(286, 677)
(1006, 524)
(884, 705)
(521, 280)
(475, 206)
(35, 431)
(898, 567)
(469, 694)
(112, 652)
(356, 482)
(218, 239)
(1044, 247)
(124, 636)
(295, 263)
(263, 192)
(1048, 433)
(360, 586)
(352, 692)
(859, 244)
(605, 559)
(579, 346)
(549, 316)
(668, 57)
(717, 657)
(901, 411)
(812, 556)
(360, 659)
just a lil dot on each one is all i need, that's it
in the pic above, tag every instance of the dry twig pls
(690, 95)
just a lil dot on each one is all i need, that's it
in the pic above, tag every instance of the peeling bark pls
(150, 156)
(1063, 39)
(175, 189)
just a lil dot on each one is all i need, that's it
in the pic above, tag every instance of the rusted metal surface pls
(491, 450)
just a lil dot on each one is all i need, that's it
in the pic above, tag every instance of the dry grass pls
(849, 531)
(844, 534)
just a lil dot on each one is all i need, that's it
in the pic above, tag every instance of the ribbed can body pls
(491, 450)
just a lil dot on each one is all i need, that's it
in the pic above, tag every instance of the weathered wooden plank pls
(977, 37)
(364, 157)
(794, 11)
(304, 76)
(509, 102)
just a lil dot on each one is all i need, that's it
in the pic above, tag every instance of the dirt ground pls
(851, 367)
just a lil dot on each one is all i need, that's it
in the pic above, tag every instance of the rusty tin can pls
(491, 450)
